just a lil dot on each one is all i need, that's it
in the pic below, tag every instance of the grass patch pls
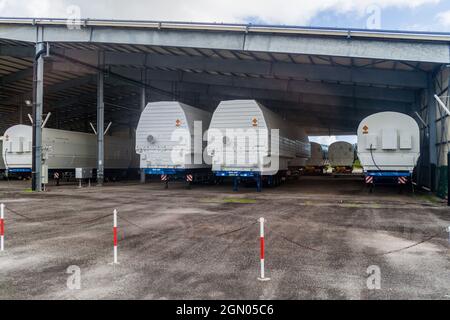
(430, 198)
(29, 190)
(228, 200)
(239, 200)
(357, 164)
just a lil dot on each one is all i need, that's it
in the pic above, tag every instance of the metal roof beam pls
(328, 89)
(301, 98)
(345, 111)
(49, 89)
(16, 51)
(410, 79)
(16, 76)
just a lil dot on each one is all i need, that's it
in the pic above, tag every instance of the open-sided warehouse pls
(326, 80)
(323, 238)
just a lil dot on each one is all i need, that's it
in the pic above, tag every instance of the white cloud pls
(277, 12)
(327, 140)
(444, 18)
(31, 8)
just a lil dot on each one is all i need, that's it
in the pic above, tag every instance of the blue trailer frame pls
(237, 175)
(176, 173)
(18, 172)
(388, 173)
(254, 175)
(109, 173)
(160, 171)
(246, 174)
(387, 177)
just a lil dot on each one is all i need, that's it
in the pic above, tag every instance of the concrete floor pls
(322, 235)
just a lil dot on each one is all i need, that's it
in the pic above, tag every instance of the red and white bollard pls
(2, 227)
(115, 236)
(448, 230)
(262, 276)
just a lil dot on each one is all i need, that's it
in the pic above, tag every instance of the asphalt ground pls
(323, 235)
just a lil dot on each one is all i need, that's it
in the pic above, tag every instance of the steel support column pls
(446, 122)
(100, 122)
(432, 109)
(416, 108)
(448, 178)
(143, 104)
(21, 114)
(38, 104)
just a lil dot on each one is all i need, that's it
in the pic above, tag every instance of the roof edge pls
(231, 27)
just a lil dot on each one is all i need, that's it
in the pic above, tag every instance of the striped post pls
(402, 180)
(189, 180)
(2, 227)
(115, 236)
(448, 230)
(261, 228)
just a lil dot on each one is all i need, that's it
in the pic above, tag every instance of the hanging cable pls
(373, 159)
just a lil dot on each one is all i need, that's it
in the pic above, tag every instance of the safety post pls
(115, 236)
(448, 230)
(2, 227)
(261, 228)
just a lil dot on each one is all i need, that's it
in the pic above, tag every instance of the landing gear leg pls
(235, 183)
(258, 183)
(270, 181)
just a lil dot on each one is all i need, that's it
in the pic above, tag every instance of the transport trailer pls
(296, 166)
(2, 163)
(243, 143)
(296, 169)
(388, 148)
(63, 151)
(169, 140)
(341, 156)
(316, 163)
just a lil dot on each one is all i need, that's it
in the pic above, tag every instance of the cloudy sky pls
(412, 15)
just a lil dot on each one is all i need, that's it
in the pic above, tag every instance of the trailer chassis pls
(190, 176)
(400, 178)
